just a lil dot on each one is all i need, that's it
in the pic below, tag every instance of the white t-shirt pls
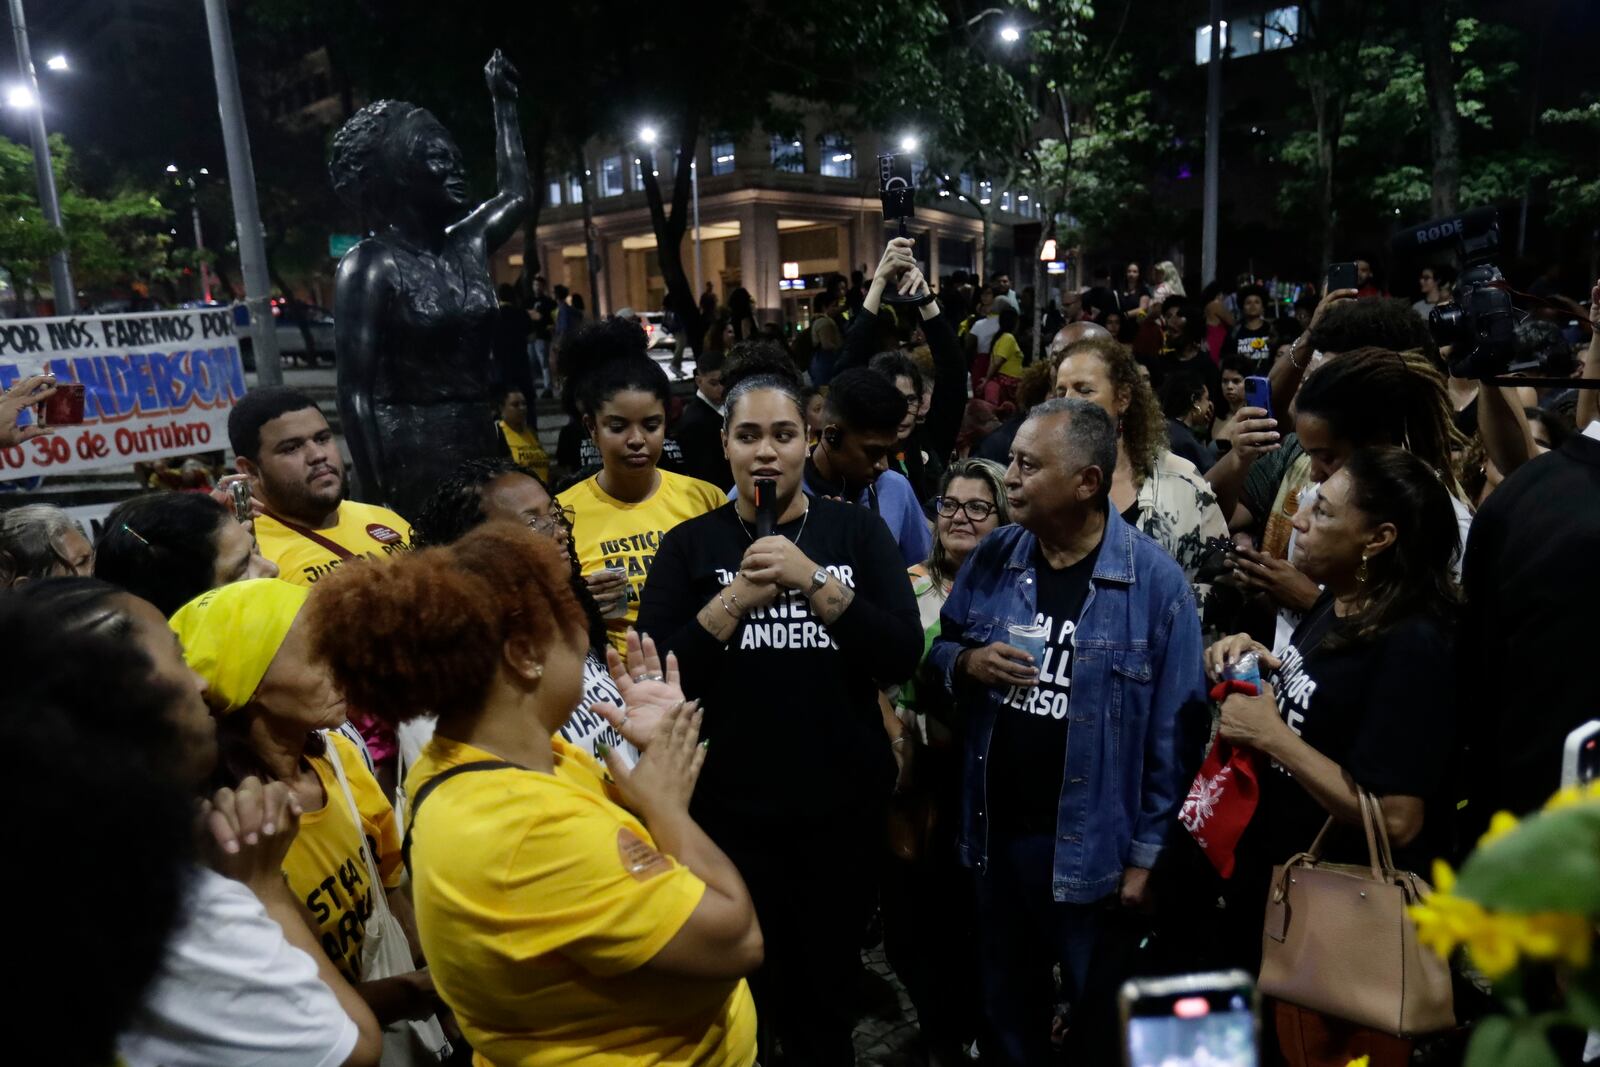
(1288, 620)
(233, 992)
(983, 332)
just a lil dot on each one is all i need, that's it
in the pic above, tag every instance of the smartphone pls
(239, 493)
(1205, 1018)
(1580, 759)
(1258, 393)
(1342, 276)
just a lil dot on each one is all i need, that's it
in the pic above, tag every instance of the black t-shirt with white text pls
(791, 704)
(1384, 711)
(1028, 749)
(1255, 344)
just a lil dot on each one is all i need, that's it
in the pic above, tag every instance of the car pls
(655, 330)
(293, 329)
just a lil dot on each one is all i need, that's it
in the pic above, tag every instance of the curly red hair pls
(423, 632)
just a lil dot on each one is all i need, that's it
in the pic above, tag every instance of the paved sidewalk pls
(887, 1035)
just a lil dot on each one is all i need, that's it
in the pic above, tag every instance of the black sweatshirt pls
(791, 707)
(949, 381)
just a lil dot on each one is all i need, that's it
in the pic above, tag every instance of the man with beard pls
(284, 445)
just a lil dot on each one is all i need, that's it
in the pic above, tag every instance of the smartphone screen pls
(1341, 276)
(1198, 1020)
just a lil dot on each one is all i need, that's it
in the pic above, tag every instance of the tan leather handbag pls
(1338, 940)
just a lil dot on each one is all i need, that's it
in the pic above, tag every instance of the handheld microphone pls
(766, 506)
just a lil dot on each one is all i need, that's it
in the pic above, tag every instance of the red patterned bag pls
(1220, 803)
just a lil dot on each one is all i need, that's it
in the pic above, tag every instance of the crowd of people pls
(615, 756)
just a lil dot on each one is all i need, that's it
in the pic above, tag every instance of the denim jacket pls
(1138, 710)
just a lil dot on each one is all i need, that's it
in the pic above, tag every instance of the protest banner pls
(156, 384)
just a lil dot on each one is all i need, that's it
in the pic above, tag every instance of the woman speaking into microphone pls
(785, 637)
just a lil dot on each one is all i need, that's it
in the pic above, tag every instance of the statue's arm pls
(363, 290)
(498, 218)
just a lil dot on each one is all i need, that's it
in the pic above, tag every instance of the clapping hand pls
(246, 832)
(662, 782)
(650, 688)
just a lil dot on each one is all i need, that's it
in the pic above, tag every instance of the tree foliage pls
(110, 239)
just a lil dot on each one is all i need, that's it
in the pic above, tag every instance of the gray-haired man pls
(1077, 756)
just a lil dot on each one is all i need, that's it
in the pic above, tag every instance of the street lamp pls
(57, 63)
(647, 134)
(194, 213)
(1010, 34)
(908, 143)
(26, 97)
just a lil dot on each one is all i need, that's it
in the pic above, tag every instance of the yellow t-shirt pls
(526, 451)
(363, 530)
(1006, 356)
(540, 901)
(324, 866)
(609, 533)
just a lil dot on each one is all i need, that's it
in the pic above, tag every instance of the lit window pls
(722, 157)
(553, 194)
(788, 154)
(611, 176)
(1005, 200)
(574, 189)
(1280, 27)
(838, 156)
(967, 185)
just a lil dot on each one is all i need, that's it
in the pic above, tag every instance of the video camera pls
(1480, 323)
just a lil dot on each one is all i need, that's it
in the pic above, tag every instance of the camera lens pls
(1446, 322)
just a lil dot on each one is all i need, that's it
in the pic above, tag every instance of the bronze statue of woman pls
(414, 304)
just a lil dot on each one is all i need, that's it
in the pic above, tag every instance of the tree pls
(110, 240)
(1044, 96)
(1445, 128)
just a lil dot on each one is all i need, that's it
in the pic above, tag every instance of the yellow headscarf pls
(231, 634)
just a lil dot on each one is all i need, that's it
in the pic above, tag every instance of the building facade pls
(778, 214)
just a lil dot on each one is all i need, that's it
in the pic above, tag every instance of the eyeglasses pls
(546, 524)
(977, 510)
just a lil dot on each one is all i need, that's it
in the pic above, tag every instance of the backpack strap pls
(438, 780)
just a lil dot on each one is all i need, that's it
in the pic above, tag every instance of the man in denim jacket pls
(1078, 756)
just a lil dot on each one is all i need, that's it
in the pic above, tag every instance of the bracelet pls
(903, 739)
(731, 613)
(1294, 349)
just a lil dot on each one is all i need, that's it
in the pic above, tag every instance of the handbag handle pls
(1385, 853)
(1378, 855)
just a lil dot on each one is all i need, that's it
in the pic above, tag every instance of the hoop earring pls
(1361, 572)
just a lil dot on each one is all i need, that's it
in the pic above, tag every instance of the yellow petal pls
(1564, 798)
(1502, 824)
(1493, 944)
(1362, 1062)
(1444, 879)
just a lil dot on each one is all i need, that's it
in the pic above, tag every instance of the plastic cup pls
(65, 406)
(1030, 638)
(621, 609)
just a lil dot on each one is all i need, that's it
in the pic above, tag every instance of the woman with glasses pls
(927, 908)
(485, 489)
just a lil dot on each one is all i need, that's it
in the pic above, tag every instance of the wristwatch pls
(818, 580)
